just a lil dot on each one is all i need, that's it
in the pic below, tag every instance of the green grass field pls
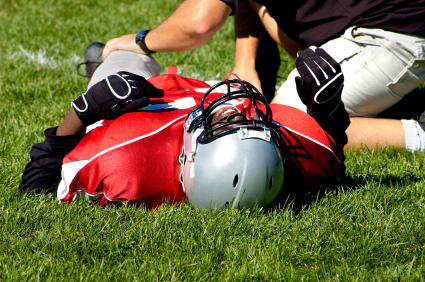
(372, 229)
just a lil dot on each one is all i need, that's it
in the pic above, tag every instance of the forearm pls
(192, 25)
(189, 27)
(70, 125)
(249, 31)
(121, 92)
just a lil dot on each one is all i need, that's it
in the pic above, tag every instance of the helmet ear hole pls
(271, 183)
(235, 181)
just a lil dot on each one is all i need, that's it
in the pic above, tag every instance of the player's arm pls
(43, 173)
(249, 31)
(192, 25)
(111, 97)
(319, 87)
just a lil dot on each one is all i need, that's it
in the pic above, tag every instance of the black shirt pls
(314, 22)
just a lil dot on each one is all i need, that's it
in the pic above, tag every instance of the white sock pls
(414, 135)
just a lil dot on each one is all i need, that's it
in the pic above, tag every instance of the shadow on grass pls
(298, 199)
(354, 183)
(410, 107)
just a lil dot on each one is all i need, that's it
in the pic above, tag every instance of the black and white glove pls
(321, 82)
(320, 87)
(113, 96)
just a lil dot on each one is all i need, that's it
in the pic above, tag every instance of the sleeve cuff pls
(63, 144)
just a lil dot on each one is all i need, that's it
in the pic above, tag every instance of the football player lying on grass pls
(136, 141)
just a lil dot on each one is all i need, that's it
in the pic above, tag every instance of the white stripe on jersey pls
(70, 170)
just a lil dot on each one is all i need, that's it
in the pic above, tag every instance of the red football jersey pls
(134, 159)
(311, 157)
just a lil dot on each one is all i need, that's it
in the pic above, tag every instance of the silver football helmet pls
(234, 161)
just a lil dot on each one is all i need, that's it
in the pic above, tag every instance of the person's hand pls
(125, 43)
(321, 82)
(113, 96)
(248, 74)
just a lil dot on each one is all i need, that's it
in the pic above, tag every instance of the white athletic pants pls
(117, 61)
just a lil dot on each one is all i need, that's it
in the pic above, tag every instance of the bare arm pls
(252, 20)
(249, 31)
(70, 125)
(192, 25)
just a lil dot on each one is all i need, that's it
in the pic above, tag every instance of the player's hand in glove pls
(113, 96)
(320, 87)
(321, 82)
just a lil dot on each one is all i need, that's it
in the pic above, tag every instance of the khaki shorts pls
(117, 61)
(380, 68)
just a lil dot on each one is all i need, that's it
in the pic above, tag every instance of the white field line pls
(39, 57)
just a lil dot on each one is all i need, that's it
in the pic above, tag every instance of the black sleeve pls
(232, 4)
(43, 172)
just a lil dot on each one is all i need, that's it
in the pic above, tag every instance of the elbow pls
(202, 26)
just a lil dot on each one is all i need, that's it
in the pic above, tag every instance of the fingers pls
(304, 71)
(131, 76)
(140, 86)
(152, 92)
(108, 48)
(135, 105)
(315, 63)
(303, 92)
(316, 66)
(322, 53)
(321, 66)
(125, 43)
(125, 74)
(129, 106)
(134, 79)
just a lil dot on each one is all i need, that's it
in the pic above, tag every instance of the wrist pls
(70, 125)
(141, 41)
(245, 62)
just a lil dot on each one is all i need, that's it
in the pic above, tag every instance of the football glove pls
(113, 96)
(320, 82)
